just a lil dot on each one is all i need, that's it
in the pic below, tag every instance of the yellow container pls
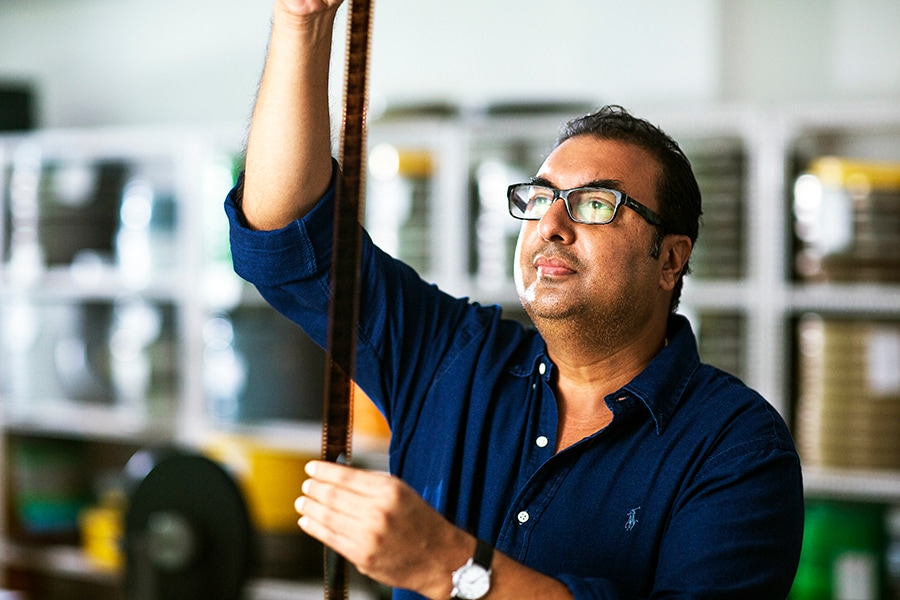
(269, 476)
(840, 172)
(102, 531)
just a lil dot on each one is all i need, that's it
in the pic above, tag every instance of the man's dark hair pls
(677, 189)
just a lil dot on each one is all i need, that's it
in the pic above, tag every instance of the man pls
(595, 457)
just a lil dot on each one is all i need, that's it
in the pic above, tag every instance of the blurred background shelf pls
(107, 351)
(58, 560)
(862, 298)
(847, 484)
(72, 563)
(63, 418)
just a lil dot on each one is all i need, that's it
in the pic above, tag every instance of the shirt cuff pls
(300, 250)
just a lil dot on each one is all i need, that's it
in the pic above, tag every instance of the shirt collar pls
(659, 387)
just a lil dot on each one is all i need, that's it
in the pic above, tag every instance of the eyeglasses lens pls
(585, 205)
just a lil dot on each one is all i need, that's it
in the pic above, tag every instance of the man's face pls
(601, 274)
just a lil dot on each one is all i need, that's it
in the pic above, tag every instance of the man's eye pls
(595, 210)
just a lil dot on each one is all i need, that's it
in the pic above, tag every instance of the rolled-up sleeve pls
(301, 250)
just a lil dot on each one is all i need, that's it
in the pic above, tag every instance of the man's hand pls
(308, 7)
(378, 523)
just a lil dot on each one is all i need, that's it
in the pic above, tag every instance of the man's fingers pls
(361, 481)
(343, 491)
(326, 471)
(315, 522)
(343, 531)
(313, 514)
(321, 497)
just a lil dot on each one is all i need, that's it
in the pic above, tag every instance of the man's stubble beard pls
(581, 325)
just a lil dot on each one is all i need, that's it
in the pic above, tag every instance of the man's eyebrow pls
(612, 184)
(537, 180)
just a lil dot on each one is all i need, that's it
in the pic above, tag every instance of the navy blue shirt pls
(693, 490)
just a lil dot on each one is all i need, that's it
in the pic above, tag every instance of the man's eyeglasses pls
(589, 205)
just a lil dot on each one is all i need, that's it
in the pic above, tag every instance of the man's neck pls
(585, 359)
(586, 372)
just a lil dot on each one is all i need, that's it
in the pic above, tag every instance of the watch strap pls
(484, 554)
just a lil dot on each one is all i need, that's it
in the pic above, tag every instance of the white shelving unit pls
(144, 281)
(749, 311)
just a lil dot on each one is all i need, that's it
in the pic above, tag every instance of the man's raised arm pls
(289, 147)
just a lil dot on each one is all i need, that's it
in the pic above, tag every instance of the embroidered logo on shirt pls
(632, 518)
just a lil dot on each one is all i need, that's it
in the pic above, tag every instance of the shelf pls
(876, 117)
(57, 560)
(94, 281)
(721, 295)
(846, 484)
(868, 298)
(294, 436)
(268, 589)
(72, 419)
(71, 562)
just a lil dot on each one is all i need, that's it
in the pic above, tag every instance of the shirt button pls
(523, 516)
(542, 441)
(542, 368)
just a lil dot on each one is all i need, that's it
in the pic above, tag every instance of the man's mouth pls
(548, 266)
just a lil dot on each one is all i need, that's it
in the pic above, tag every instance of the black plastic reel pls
(188, 534)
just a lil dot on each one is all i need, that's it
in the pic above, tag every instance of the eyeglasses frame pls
(622, 198)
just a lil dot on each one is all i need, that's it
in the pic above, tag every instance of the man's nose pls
(556, 225)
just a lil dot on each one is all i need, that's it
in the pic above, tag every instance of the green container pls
(50, 486)
(843, 548)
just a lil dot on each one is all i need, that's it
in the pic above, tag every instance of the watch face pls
(472, 582)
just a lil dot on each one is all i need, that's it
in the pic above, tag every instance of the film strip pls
(345, 285)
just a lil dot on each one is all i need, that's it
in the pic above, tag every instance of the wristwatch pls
(473, 580)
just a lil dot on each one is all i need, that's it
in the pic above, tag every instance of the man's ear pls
(674, 254)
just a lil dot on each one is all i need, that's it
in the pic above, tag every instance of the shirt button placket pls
(540, 441)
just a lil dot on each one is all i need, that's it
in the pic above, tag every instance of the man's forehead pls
(583, 159)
